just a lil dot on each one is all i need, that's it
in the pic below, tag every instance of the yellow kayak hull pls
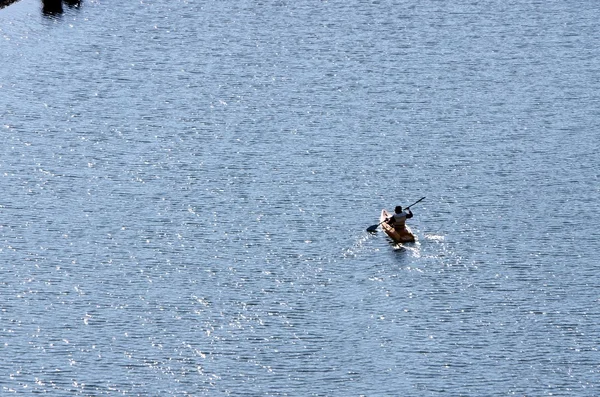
(398, 236)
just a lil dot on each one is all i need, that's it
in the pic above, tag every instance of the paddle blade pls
(372, 229)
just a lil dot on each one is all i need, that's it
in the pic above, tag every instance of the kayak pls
(399, 236)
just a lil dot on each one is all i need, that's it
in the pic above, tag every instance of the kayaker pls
(398, 220)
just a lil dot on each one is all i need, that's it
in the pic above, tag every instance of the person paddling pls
(398, 220)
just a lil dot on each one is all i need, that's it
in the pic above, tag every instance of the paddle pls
(373, 228)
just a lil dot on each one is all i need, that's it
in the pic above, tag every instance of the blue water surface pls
(185, 188)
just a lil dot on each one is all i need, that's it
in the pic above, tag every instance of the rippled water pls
(185, 188)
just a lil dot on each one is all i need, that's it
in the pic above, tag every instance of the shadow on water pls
(6, 3)
(397, 247)
(55, 8)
